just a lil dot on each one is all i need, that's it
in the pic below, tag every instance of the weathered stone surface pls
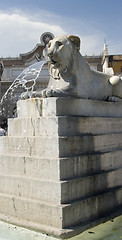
(77, 145)
(80, 107)
(64, 146)
(63, 125)
(81, 212)
(46, 107)
(85, 187)
(32, 188)
(33, 107)
(75, 167)
(62, 168)
(61, 165)
(33, 126)
(33, 167)
(31, 210)
(30, 146)
(60, 192)
(102, 231)
(59, 220)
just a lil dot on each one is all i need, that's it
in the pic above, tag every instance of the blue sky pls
(94, 21)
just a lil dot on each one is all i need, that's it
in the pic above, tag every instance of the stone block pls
(84, 165)
(67, 106)
(79, 125)
(30, 146)
(60, 191)
(80, 107)
(29, 210)
(65, 146)
(33, 126)
(63, 125)
(88, 210)
(61, 221)
(33, 188)
(31, 107)
(21, 127)
(77, 145)
(33, 167)
(89, 186)
(62, 168)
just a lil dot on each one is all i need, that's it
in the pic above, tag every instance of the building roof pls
(37, 53)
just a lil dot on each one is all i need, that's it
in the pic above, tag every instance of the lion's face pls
(60, 51)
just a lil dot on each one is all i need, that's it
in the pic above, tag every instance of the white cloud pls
(91, 44)
(19, 34)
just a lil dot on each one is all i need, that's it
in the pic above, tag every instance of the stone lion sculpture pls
(70, 74)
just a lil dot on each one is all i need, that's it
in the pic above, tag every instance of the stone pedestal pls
(61, 165)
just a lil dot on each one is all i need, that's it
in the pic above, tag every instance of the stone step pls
(30, 108)
(77, 145)
(25, 209)
(33, 126)
(76, 189)
(34, 167)
(80, 107)
(84, 165)
(66, 216)
(68, 126)
(33, 188)
(63, 106)
(57, 192)
(30, 146)
(62, 168)
(92, 208)
(60, 147)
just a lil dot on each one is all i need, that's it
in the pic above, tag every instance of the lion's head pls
(60, 51)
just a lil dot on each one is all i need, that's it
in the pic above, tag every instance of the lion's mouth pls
(53, 61)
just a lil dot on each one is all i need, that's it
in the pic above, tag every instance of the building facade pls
(111, 64)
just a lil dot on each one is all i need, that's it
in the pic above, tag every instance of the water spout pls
(26, 80)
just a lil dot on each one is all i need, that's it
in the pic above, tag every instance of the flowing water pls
(26, 80)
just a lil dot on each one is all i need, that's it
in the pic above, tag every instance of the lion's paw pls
(35, 94)
(25, 95)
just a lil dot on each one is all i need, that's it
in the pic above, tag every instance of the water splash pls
(26, 80)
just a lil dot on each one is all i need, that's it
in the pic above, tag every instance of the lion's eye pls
(59, 44)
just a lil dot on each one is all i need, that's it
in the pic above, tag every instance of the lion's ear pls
(75, 40)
